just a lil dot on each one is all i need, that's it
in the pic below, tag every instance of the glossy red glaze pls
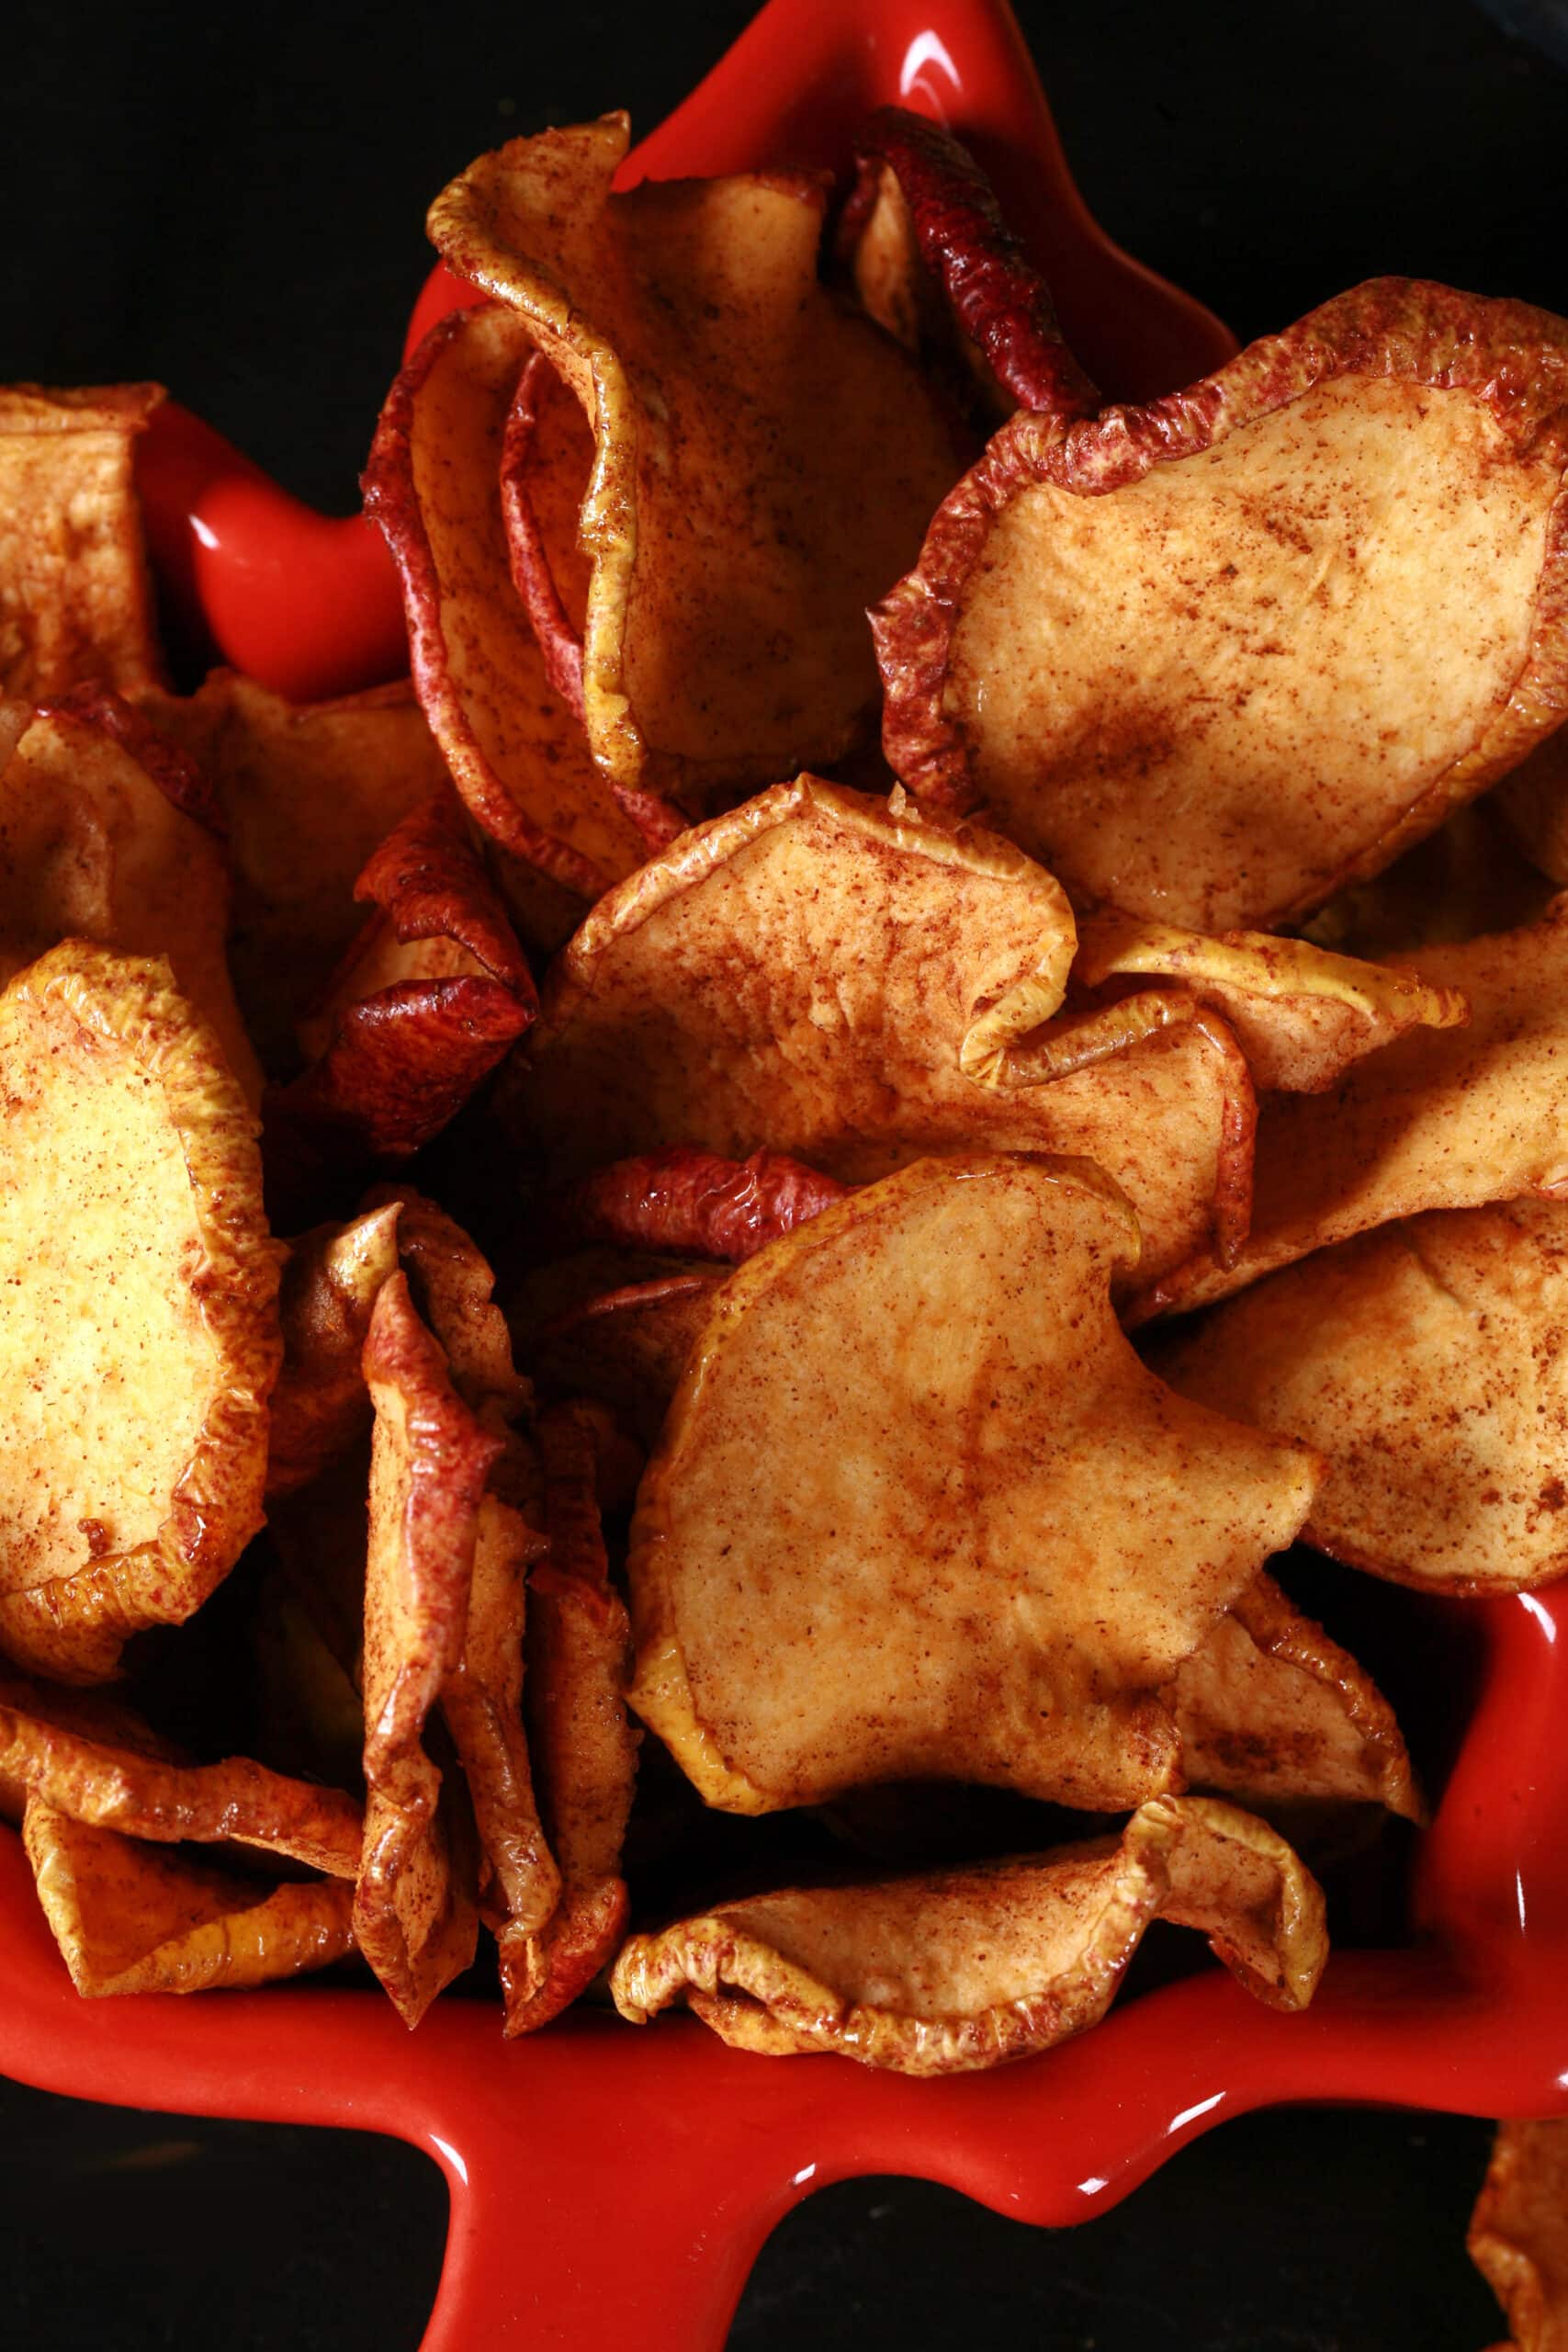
(308, 603)
(611, 2186)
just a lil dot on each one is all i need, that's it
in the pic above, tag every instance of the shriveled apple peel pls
(1427, 1363)
(902, 1521)
(972, 1969)
(733, 544)
(1519, 2233)
(141, 1319)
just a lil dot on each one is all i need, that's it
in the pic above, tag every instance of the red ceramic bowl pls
(611, 2186)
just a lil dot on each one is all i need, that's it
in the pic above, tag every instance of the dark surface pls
(230, 199)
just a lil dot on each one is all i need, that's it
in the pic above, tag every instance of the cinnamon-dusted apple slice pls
(583, 1748)
(75, 593)
(1269, 1707)
(424, 1007)
(1300, 1014)
(844, 982)
(130, 1917)
(733, 542)
(1427, 1363)
(920, 1513)
(320, 1404)
(141, 1324)
(1325, 583)
(453, 1285)
(108, 832)
(1519, 2233)
(414, 1916)
(957, 1971)
(434, 484)
(113, 1786)
(307, 792)
(1441, 1119)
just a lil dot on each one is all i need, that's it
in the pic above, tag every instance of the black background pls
(229, 198)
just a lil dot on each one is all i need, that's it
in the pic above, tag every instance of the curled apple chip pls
(434, 484)
(75, 594)
(1325, 583)
(307, 792)
(321, 1404)
(1444, 1118)
(108, 834)
(1427, 1363)
(583, 1748)
(1300, 1014)
(1519, 2233)
(919, 1511)
(130, 1917)
(733, 542)
(1269, 1707)
(142, 1323)
(697, 1204)
(111, 1786)
(953, 1972)
(413, 1915)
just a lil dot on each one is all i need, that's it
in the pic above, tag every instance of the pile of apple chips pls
(568, 1219)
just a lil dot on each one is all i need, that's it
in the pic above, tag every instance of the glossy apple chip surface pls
(1427, 1363)
(75, 594)
(1326, 583)
(133, 1918)
(919, 1511)
(733, 542)
(331, 1280)
(958, 1970)
(1519, 2233)
(142, 1323)
(698, 1204)
(1269, 1707)
(1443, 1118)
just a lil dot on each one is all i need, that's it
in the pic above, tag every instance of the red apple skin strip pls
(698, 1204)
(996, 295)
(427, 881)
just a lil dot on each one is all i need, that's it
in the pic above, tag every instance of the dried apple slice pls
(453, 1285)
(110, 1786)
(413, 1915)
(1441, 1119)
(955, 1972)
(1519, 2233)
(1427, 1363)
(320, 1404)
(1300, 1014)
(699, 1204)
(129, 1918)
(583, 1748)
(434, 484)
(1269, 1707)
(919, 1511)
(107, 832)
(733, 542)
(141, 1324)
(1327, 584)
(75, 594)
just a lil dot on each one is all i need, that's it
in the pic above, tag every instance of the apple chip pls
(434, 484)
(75, 594)
(142, 1322)
(1325, 584)
(1300, 1014)
(110, 1786)
(920, 1513)
(1519, 2233)
(958, 1970)
(320, 1404)
(129, 1918)
(1427, 1363)
(700, 1206)
(307, 793)
(453, 1285)
(108, 834)
(1269, 1707)
(414, 1913)
(1442, 1119)
(583, 1748)
(733, 542)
